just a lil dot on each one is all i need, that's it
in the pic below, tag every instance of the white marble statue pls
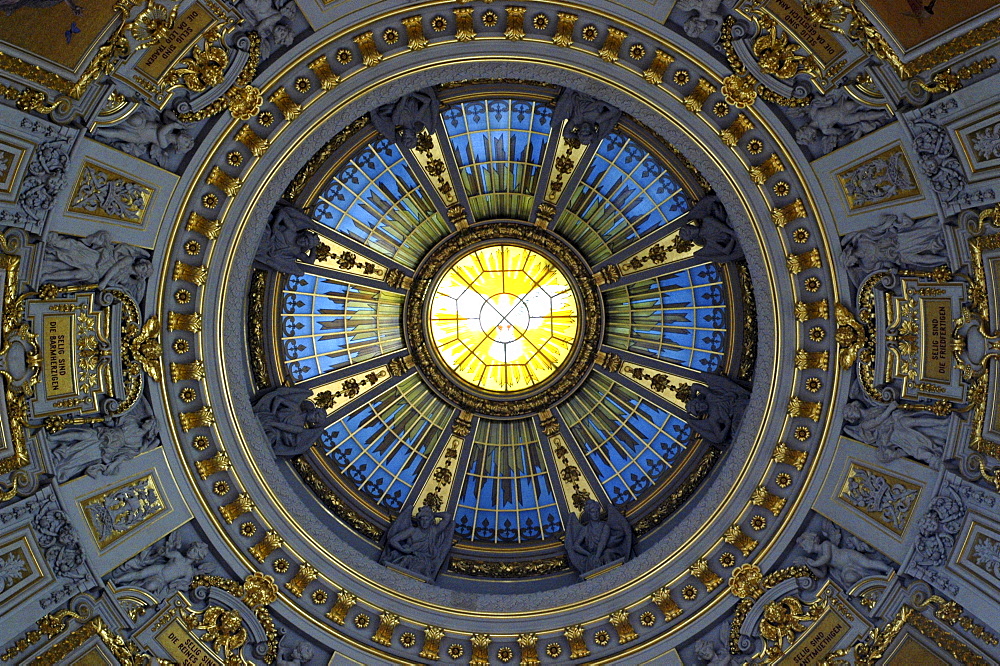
(96, 259)
(706, 16)
(164, 567)
(897, 241)
(836, 119)
(897, 432)
(839, 555)
(300, 655)
(272, 21)
(149, 135)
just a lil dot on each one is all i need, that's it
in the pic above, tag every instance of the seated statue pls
(597, 538)
(419, 544)
(288, 240)
(401, 121)
(588, 120)
(717, 408)
(291, 421)
(710, 230)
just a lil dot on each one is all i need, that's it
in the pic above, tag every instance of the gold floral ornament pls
(204, 68)
(850, 336)
(740, 91)
(782, 621)
(223, 629)
(746, 581)
(143, 345)
(244, 101)
(153, 24)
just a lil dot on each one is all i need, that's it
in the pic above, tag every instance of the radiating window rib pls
(381, 447)
(507, 495)
(679, 317)
(328, 324)
(629, 442)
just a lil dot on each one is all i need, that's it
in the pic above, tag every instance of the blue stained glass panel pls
(626, 193)
(629, 442)
(381, 447)
(499, 145)
(507, 493)
(376, 200)
(328, 324)
(679, 317)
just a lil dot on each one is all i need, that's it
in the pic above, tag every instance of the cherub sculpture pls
(710, 230)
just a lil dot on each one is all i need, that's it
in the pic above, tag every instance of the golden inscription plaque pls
(819, 41)
(59, 354)
(185, 648)
(937, 320)
(163, 55)
(817, 640)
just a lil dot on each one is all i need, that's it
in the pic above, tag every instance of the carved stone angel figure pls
(717, 408)
(288, 240)
(401, 121)
(710, 230)
(843, 556)
(897, 241)
(836, 119)
(150, 135)
(165, 566)
(100, 449)
(588, 120)
(897, 432)
(291, 421)
(96, 259)
(419, 544)
(598, 537)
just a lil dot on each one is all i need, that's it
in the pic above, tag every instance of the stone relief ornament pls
(937, 529)
(840, 555)
(896, 432)
(300, 655)
(419, 543)
(712, 653)
(883, 178)
(588, 120)
(288, 240)
(61, 549)
(272, 20)
(717, 405)
(401, 121)
(96, 260)
(597, 538)
(100, 449)
(148, 134)
(45, 178)
(709, 229)
(291, 421)
(165, 567)
(834, 120)
(895, 242)
(706, 15)
(938, 159)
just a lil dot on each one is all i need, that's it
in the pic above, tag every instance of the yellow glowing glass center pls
(503, 318)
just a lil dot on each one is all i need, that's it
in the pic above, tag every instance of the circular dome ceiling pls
(632, 475)
(500, 320)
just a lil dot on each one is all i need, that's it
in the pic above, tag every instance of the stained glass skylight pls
(491, 297)
(503, 318)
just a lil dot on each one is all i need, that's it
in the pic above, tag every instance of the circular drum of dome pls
(503, 319)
